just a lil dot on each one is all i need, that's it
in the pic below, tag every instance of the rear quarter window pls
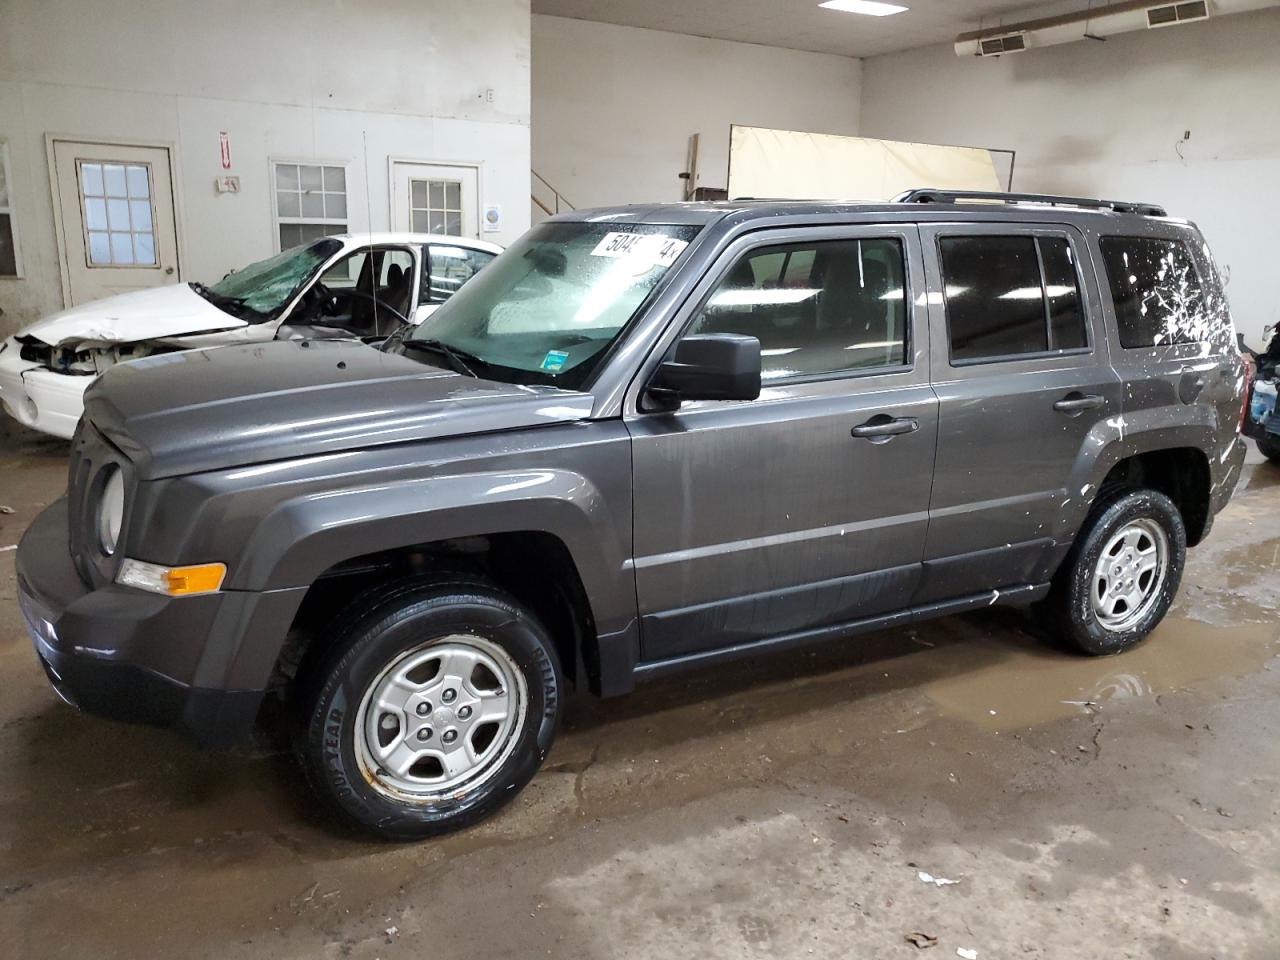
(1158, 295)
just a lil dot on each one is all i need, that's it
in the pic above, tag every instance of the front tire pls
(434, 704)
(1120, 578)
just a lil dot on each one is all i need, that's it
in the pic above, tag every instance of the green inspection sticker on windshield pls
(554, 361)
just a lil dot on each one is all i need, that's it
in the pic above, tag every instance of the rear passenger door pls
(807, 507)
(1023, 378)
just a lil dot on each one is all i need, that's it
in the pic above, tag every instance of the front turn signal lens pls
(172, 581)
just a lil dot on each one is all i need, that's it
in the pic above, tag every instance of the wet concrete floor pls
(788, 807)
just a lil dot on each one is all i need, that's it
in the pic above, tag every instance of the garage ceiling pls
(799, 24)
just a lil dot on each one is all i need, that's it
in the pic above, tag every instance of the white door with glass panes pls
(435, 198)
(116, 208)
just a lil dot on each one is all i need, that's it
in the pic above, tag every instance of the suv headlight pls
(111, 511)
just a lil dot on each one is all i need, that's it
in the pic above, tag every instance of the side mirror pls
(711, 366)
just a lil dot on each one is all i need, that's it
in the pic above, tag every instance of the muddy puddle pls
(1031, 684)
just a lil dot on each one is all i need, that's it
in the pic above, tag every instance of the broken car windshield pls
(547, 309)
(259, 291)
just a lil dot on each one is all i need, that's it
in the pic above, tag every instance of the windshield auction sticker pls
(651, 249)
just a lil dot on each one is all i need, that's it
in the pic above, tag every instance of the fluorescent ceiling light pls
(872, 8)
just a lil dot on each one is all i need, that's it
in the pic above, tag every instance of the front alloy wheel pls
(442, 717)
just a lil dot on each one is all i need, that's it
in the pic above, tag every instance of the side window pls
(363, 282)
(1009, 296)
(1157, 292)
(447, 268)
(816, 308)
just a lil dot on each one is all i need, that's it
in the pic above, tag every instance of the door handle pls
(168, 271)
(883, 427)
(1078, 403)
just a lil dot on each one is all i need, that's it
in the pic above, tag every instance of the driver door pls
(798, 512)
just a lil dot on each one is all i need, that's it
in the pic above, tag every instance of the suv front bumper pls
(123, 653)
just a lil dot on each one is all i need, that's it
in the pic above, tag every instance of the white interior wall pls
(422, 79)
(614, 107)
(1105, 119)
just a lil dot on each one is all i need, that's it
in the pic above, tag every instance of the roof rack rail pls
(952, 196)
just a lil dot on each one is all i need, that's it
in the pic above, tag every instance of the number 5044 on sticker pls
(651, 249)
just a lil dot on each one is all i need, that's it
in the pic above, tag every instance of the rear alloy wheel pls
(432, 706)
(1119, 579)
(1129, 575)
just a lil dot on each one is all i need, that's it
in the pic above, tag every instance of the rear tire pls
(431, 707)
(1269, 446)
(1121, 575)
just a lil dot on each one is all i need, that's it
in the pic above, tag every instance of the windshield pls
(259, 291)
(547, 309)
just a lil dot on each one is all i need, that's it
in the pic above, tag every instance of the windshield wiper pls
(457, 359)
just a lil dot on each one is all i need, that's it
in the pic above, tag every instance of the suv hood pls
(170, 311)
(198, 410)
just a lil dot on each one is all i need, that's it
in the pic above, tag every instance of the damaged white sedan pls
(363, 286)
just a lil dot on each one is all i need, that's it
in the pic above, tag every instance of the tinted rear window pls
(1157, 292)
(1010, 296)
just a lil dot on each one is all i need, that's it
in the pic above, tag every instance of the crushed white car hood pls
(171, 311)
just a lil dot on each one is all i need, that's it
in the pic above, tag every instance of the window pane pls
(91, 179)
(310, 178)
(118, 214)
(437, 194)
(121, 248)
(453, 195)
(113, 178)
(313, 205)
(453, 224)
(447, 269)
(95, 213)
(99, 248)
(1156, 290)
(1061, 284)
(286, 176)
(287, 204)
(436, 222)
(335, 205)
(144, 248)
(419, 224)
(139, 187)
(845, 312)
(290, 235)
(335, 180)
(8, 255)
(995, 307)
(418, 194)
(314, 231)
(141, 212)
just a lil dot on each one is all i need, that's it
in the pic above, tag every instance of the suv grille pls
(90, 454)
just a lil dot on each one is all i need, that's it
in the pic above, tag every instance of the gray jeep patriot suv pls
(644, 439)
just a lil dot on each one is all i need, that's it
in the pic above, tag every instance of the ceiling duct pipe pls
(1097, 23)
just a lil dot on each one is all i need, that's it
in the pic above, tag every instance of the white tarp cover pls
(789, 164)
